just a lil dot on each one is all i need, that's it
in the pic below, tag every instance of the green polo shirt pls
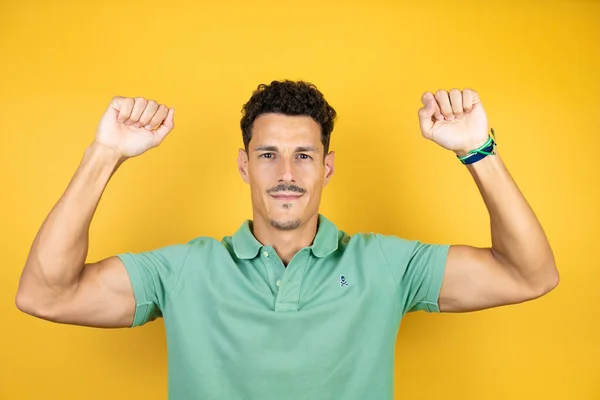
(240, 325)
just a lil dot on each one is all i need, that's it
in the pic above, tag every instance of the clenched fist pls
(133, 126)
(455, 120)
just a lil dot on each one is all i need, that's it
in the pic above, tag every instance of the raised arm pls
(56, 284)
(519, 266)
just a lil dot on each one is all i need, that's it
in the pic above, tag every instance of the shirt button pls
(278, 283)
(265, 253)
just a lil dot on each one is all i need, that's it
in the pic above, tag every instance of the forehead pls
(273, 129)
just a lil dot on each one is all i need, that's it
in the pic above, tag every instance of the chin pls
(285, 219)
(285, 224)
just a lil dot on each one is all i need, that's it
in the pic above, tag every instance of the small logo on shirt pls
(343, 282)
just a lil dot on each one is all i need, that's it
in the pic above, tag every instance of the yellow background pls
(535, 64)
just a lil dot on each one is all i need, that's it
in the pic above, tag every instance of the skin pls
(285, 157)
(519, 266)
(57, 285)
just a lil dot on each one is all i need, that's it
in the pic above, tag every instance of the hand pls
(133, 126)
(456, 120)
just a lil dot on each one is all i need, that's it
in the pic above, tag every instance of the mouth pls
(286, 197)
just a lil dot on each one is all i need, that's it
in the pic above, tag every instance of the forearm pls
(518, 240)
(59, 250)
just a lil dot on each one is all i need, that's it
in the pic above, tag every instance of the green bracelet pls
(486, 149)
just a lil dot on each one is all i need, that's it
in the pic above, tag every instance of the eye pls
(304, 156)
(266, 155)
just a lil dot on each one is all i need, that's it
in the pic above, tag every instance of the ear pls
(242, 161)
(329, 166)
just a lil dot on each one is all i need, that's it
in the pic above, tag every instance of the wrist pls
(469, 147)
(97, 166)
(105, 154)
(488, 148)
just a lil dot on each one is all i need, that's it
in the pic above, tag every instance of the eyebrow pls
(306, 149)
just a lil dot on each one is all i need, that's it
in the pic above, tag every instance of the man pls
(289, 306)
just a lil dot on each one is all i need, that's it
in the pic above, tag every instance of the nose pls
(286, 170)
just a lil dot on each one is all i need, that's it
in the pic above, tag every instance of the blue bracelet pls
(487, 149)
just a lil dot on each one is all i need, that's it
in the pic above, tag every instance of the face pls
(285, 170)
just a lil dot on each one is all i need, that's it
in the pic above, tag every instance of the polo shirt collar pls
(246, 246)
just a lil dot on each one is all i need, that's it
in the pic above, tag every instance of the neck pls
(285, 243)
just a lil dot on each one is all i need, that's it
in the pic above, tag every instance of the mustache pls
(286, 188)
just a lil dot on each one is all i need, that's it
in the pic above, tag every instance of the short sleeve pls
(418, 269)
(153, 275)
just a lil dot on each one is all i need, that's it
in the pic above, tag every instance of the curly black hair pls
(289, 98)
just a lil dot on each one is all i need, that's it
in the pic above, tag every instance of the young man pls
(288, 306)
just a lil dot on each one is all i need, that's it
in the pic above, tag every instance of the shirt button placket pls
(289, 296)
(268, 261)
